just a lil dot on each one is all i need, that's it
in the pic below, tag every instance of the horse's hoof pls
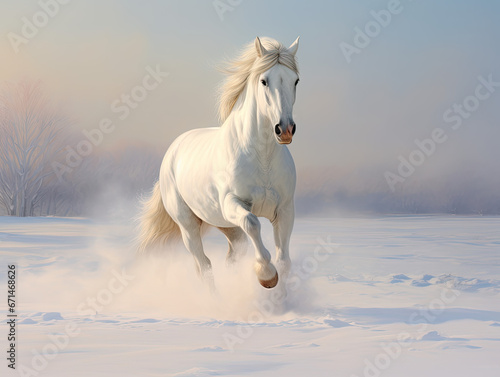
(269, 283)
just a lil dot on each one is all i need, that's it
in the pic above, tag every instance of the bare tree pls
(30, 140)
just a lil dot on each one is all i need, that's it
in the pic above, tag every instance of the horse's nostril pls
(277, 129)
(293, 129)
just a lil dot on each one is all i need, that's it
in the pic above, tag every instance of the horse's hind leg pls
(238, 243)
(190, 226)
(191, 235)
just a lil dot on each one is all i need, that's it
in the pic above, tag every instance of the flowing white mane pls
(249, 64)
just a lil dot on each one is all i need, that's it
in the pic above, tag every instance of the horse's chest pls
(264, 202)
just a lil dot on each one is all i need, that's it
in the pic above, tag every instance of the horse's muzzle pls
(285, 137)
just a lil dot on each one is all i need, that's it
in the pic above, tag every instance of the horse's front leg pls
(238, 212)
(282, 228)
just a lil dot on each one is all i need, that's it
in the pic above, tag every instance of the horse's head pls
(276, 87)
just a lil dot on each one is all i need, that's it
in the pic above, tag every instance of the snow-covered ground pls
(380, 296)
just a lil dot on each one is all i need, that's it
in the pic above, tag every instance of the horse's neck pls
(253, 130)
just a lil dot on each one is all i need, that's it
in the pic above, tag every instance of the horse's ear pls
(294, 47)
(261, 51)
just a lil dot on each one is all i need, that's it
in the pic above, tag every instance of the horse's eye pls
(296, 82)
(263, 82)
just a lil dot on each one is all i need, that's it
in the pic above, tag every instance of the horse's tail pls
(156, 225)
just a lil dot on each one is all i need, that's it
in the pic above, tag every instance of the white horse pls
(229, 176)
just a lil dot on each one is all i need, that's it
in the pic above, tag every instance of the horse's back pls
(189, 145)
